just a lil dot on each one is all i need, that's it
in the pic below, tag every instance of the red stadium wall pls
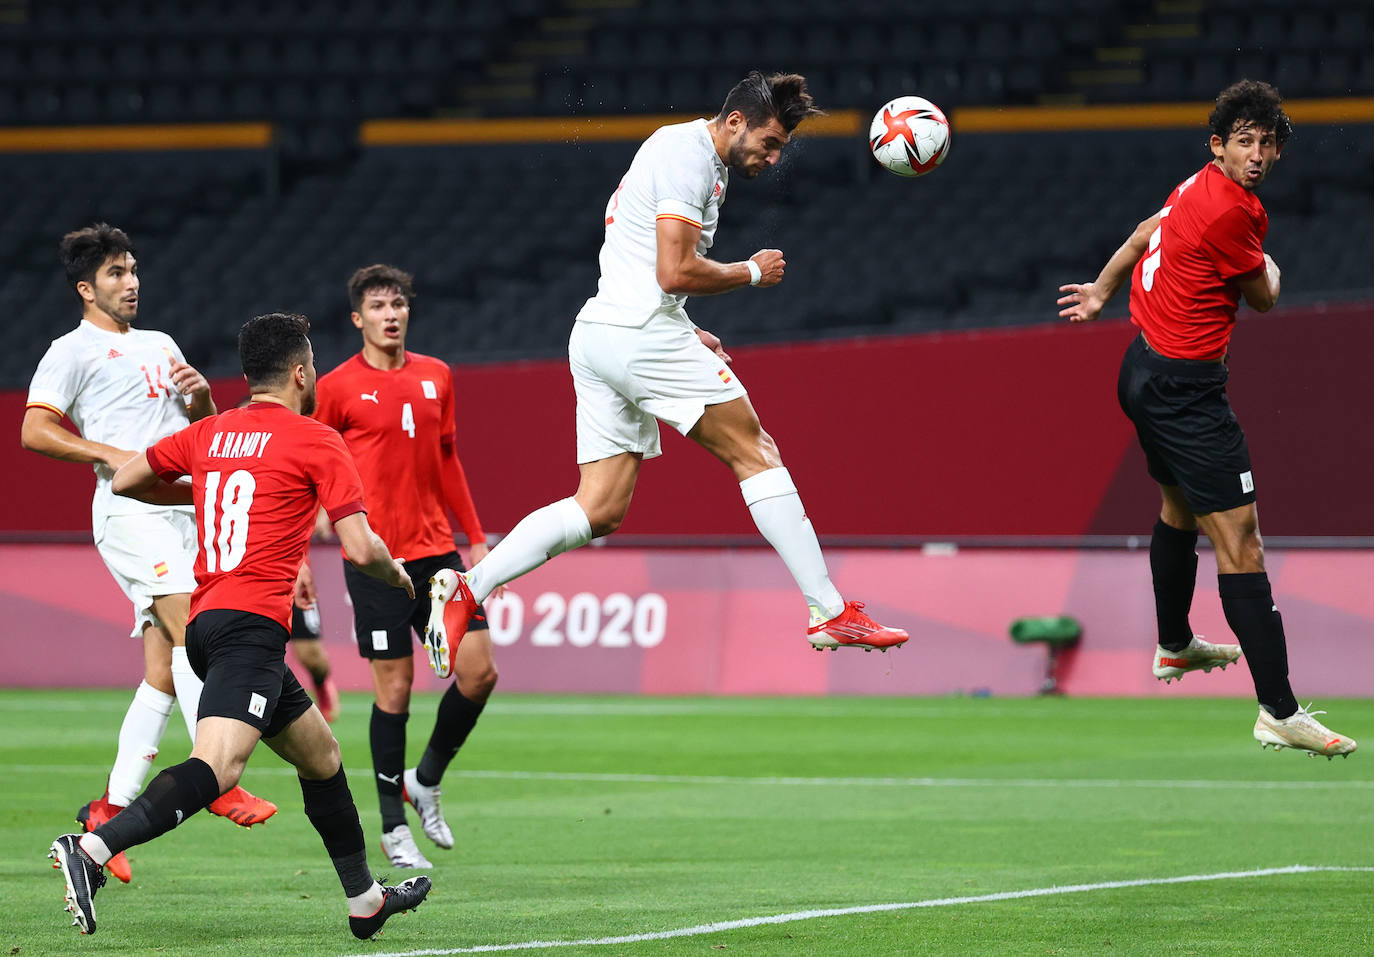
(725, 621)
(1003, 433)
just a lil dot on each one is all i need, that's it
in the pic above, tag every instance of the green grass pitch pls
(584, 824)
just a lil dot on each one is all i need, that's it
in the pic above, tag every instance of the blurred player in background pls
(394, 409)
(307, 642)
(636, 357)
(125, 388)
(258, 476)
(1190, 264)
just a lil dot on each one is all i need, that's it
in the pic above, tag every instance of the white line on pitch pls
(719, 926)
(610, 777)
(616, 778)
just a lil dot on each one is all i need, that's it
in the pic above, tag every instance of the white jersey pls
(676, 174)
(117, 389)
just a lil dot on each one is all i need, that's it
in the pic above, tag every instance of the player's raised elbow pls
(33, 436)
(671, 279)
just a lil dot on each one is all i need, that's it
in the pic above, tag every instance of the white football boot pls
(401, 850)
(1303, 732)
(426, 803)
(1199, 655)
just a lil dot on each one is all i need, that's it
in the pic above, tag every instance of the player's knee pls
(605, 520)
(480, 685)
(327, 759)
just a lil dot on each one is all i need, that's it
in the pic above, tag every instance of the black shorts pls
(241, 657)
(384, 618)
(305, 623)
(1185, 424)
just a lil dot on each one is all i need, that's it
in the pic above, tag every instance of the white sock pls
(188, 689)
(542, 534)
(95, 848)
(778, 513)
(368, 902)
(139, 736)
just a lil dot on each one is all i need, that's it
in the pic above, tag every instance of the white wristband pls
(755, 273)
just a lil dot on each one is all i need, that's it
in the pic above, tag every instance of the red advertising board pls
(731, 622)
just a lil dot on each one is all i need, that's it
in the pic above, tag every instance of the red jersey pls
(399, 425)
(259, 476)
(1184, 290)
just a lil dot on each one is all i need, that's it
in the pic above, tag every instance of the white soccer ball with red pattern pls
(910, 136)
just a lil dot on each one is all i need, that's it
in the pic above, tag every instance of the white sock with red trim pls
(779, 515)
(139, 736)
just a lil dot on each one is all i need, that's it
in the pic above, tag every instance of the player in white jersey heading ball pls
(636, 357)
(125, 388)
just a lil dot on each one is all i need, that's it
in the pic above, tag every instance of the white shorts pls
(627, 377)
(149, 555)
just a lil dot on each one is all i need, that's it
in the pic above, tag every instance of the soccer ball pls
(910, 136)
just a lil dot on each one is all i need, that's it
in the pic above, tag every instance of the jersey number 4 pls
(226, 518)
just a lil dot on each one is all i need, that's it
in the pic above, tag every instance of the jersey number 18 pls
(226, 518)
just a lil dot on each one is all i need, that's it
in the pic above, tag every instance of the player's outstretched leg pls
(83, 877)
(330, 808)
(778, 513)
(451, 607)
(1303, 732)
(1199, 655)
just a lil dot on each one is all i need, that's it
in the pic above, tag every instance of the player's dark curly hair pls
(271, 346)
(780, 96)
(1250, 103)
(379, 276)
(84, 251)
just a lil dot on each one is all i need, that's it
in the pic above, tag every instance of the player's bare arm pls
(188, 381)
(712, 342)
(682, 272)
(369, 554)
(1083, 302)
(42, 432)
(1262, 291)
(136, 479)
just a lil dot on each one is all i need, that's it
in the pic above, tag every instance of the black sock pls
(1173, 564)
(173, 796)
(1250, 611)
(329, 805)
(389, 764)
(452, 725)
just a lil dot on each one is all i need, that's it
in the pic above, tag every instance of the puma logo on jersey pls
(372, 397)
(238, 445)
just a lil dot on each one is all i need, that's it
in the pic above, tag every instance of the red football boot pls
(96, 813)
(451, 607)
(327, 698)
(242, 808)
(851, 628)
